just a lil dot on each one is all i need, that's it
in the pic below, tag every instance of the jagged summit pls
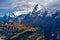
(37, 8)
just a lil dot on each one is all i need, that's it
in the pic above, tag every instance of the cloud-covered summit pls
(28, 5)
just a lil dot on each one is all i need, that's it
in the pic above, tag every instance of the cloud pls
(21, 4)
(28, 4)
(13, 5)
(8, 4)
(54, 3)
(17, 13)
(51, 3)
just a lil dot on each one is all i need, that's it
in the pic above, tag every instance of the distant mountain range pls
(50, 22)
(38, 17)
(41, 18)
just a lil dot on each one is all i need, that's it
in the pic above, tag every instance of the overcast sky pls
(24, 4)
(5, 4)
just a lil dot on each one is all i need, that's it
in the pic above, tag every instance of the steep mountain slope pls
(39, 17)
(50, 24)
(34, 18)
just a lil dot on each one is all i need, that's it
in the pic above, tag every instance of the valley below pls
(15, 31)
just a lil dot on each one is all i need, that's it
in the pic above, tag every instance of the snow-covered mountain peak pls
(37, 8)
